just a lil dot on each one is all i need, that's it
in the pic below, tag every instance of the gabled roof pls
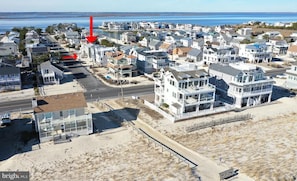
(154, 42)
(181, 50)
(226, 69)
(48, 65)
(60, 102)
(165, 46)
(194, 52)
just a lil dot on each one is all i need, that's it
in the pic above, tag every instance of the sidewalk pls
(17, 95)
(69, 85)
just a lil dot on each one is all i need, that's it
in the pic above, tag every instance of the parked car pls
(5, 121)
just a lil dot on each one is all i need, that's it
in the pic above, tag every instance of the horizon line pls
(148, 12)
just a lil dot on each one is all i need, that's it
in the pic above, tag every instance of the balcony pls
(196, 89)
(264, 81)
(251, 93)
(196, 101)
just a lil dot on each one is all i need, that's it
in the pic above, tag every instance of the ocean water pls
(42, 20)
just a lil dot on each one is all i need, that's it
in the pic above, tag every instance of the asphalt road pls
(95, 89)
(93, 95)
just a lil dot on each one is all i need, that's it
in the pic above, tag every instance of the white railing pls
(203, 112)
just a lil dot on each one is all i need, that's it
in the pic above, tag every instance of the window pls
(71, 113)
(48, 116)
(61, 113)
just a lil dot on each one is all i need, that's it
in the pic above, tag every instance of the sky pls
(148, 6)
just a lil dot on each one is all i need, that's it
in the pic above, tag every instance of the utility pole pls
(122, 93)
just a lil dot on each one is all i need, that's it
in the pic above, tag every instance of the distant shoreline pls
(8, 20)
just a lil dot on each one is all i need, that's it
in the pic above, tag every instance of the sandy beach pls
(263, 148)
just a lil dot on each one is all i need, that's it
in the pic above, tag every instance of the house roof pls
(39, 49)
(9, 70)
(180, 75)
(194, 52)
(60, 102)
(181, 50)
(48, 65)
(155, 43)
(165, 46)
(227, 69)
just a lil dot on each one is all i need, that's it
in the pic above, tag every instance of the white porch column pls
(269, 98)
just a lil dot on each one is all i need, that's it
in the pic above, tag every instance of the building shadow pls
(19, 137)
(113, 119)
(280, 92)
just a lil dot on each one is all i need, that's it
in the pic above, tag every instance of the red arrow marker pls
(70, 57)
(91, 38)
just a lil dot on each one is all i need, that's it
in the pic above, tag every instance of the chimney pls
(34, 102)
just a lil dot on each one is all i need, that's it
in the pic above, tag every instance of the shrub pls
(165, 105)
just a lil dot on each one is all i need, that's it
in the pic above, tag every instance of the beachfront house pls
(219, 54)
(241, 84)
(10, 79)
(256, 52)
(291, 81)
(61, 115)
(184, 89)
(50, 74)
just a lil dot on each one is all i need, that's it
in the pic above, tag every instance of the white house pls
(152, 60)
(186, 42)
(144, 42)
(59, 115)
(219, 55)
(241, 84)
(184, 89)
(96, 53)
(50, 74)
(279, 47)
(245, 31)
(256, 52)
(128, 37)
(291, 81)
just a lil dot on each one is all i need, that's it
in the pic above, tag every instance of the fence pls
(221, 121)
